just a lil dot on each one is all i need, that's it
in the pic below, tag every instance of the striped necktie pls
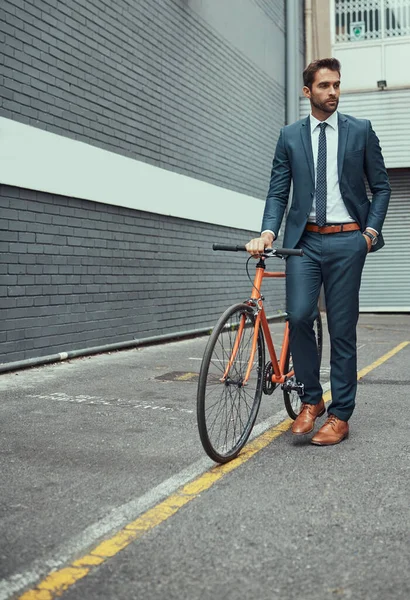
(321, 184)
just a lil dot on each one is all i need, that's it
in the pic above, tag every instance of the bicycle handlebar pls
(228, 248)
(267, 252)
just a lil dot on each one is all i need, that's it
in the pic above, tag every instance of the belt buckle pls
(336, 228)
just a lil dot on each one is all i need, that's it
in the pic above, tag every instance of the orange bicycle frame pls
(279, 376)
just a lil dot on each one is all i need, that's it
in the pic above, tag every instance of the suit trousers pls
(337, 261)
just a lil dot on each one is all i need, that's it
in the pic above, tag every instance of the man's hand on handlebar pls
(258, 245)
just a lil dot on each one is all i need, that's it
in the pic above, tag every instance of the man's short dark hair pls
(324, 63)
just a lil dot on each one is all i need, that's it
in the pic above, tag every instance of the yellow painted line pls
(381, 360)
(57, 582)
(363, 372)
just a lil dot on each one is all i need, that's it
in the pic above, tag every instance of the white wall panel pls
(39, 160)
(362, 67)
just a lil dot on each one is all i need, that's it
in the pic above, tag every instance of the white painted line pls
(97, 400)
(215, 360)
(118, 517)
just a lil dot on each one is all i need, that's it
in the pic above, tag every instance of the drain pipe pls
(117, 346)
(293, 62)
(308, 31)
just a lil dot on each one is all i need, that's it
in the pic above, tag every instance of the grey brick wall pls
(77, 274)
(150, 79)
(173, 83)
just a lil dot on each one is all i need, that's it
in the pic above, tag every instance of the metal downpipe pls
(293, 66)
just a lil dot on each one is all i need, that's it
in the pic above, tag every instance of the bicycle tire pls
(226, 400)
(291, 398)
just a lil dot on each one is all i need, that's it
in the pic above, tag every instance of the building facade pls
(133, 135)
(371, 38)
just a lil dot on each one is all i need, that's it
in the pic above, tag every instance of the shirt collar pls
(332, 121)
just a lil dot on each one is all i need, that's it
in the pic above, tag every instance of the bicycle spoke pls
(220, 409)
(238, 418)
(250, 397)
(213, 415)
(248, 407)
(226, 428)
(223, 420)
(232, 420)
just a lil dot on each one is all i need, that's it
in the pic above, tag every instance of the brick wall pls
(147, 79)
(160, 82)
(77, 274)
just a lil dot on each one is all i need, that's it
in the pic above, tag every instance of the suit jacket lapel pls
(307, 145)
(343, 125)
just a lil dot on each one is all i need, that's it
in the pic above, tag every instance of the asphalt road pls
(90, 444)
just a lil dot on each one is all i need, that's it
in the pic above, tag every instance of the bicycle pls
(233, 371)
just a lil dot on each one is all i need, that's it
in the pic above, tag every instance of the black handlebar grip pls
(289, 251)
(280, 251)
(228, 248)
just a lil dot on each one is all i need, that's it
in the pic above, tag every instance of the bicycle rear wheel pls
(291, 398)
(227, 406)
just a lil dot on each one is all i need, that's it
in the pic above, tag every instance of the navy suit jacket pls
(359, 155)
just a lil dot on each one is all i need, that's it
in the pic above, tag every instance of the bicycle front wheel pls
(291, 397)
(230, 384)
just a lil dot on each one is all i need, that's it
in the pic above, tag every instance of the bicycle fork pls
(224, 378)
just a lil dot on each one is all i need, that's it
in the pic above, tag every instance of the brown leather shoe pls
(333, 431)
(305, 420)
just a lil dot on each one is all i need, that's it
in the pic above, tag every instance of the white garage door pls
(386, 276)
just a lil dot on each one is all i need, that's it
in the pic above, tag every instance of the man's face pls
(325, 92)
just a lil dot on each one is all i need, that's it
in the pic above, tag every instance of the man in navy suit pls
(326, 156)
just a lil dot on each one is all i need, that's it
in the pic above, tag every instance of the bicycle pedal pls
(300, 389)
(294, 386)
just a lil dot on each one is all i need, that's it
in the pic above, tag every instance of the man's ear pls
(306, 91)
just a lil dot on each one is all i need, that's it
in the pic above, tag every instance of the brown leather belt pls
(332, 228)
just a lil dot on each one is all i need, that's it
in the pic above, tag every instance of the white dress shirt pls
(336, 211)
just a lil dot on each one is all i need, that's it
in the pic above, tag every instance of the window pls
(397, 18)
(361, 20)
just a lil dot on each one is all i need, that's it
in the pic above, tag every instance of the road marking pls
(381, 360)
(60, 580)
(119, 517)
(97, 400)
(216, 360)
